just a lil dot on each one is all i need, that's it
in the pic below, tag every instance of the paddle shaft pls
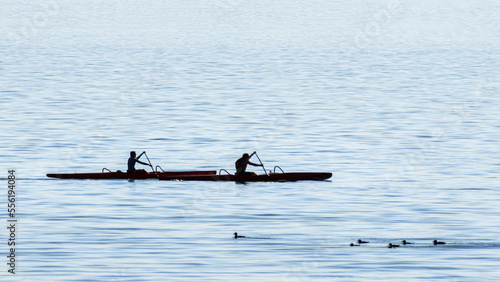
(255, 153)
(150, 163)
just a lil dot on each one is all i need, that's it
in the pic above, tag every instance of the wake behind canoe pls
(126, 175)
(274, 177)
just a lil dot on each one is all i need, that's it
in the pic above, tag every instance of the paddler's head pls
(246, 156)
(132, 154)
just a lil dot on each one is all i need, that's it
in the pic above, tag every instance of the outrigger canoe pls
(126, 175)
(273, 177)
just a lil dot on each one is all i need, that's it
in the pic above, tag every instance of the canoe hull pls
(125, 175)
(276, 177)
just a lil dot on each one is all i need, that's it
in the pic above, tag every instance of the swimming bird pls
(236, 236)
(406, 243)
(391, 245)
(436, 242)
(362, 242)
(353, 245)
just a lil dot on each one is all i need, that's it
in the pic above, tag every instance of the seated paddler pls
(131, 163)
(242, 163)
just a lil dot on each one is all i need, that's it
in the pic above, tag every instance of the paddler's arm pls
(249, 162)
(143, 163)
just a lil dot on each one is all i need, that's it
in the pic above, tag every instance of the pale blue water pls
(399, 100)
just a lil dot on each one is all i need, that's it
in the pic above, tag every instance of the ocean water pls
(399, 100)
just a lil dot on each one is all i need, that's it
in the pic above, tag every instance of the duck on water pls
(236, 236)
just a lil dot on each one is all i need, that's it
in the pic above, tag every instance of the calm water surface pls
(398, 100)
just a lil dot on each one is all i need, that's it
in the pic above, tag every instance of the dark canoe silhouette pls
(273, 177)
(126, 175)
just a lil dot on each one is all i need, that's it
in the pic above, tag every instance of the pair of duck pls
(359, 243)
(404, 242)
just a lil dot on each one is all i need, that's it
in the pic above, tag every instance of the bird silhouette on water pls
(236, 236)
